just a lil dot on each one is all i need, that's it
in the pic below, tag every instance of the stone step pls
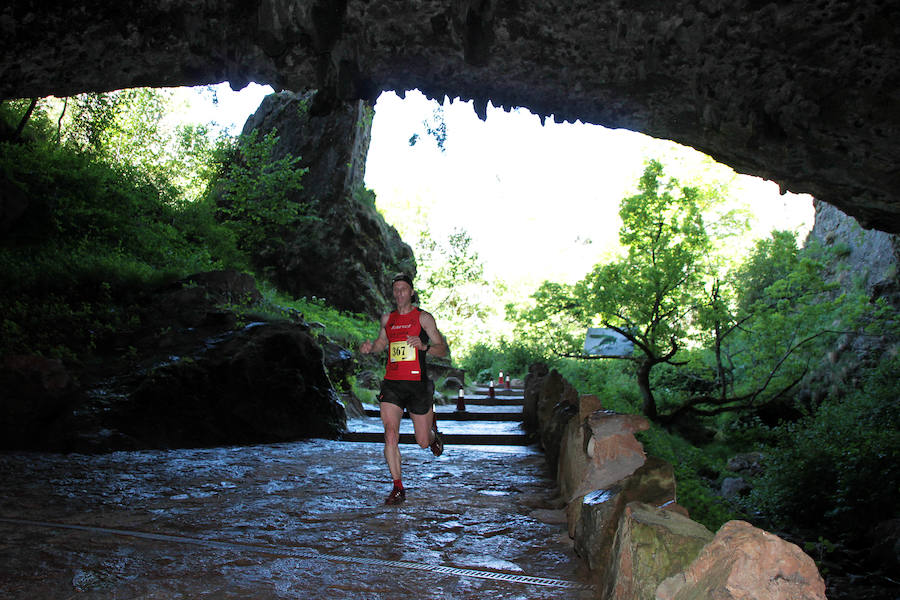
(455, 415)
(498, 401)
(484, 391)
(450, 439)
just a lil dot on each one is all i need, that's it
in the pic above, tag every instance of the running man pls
(409, 334)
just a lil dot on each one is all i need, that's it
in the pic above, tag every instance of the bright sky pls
(539, 201)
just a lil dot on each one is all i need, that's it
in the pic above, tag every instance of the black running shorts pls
(415, 396)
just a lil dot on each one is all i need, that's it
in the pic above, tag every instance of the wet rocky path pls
(298, 520)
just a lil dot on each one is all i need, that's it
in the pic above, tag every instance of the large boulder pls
(651, 544)
(594, 518)
(264, 384)
(746, 563)
(195, 369)
(35, 392)
(614, 451)
(347, 253)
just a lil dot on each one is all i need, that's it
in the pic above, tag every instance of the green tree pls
(128, 127)
(451, 283)
(254, 192)
(650, 295)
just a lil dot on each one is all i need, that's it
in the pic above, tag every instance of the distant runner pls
(409, 334)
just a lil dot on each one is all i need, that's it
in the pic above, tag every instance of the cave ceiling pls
(802, 93)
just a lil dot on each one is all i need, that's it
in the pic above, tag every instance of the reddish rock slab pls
(746, 563)
(613, 450)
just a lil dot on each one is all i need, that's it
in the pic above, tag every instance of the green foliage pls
(104, 219)
(771, 260)
(611, 381)
(693, 492)
(128, 127)
(451, 285)
(435, 127)
(365, 395)
(37, 125)
(765, 328)
(651, 292)
(254, 191)
(553, 321)
(485, 361)
(838, 469)
(651, 295)
(351, 329)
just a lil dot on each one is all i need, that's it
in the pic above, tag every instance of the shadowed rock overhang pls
(802, 93)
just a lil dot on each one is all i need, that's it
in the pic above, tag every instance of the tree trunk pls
(643, 377)
(59, 122)
(24, 120)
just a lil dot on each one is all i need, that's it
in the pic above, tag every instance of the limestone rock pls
(746, 563)
(650, 545)
(798, 93)
(734, 486)
(614, 451)
(746, 462)
(452, 384)
(556, 403)
(368, 380)
(265, 384)
(884, 539)
(536, 374)
(870, 260)
(339, 363)
(34, 392)
(574, 461)
(594, 518)
(349, 253)
(870, 255)
(353, 407)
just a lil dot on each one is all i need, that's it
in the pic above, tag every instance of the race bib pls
(402, 352)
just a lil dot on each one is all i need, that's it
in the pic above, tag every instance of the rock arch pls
(803, 93)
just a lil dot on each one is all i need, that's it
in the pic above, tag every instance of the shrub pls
(510, 357)
(837, 470)
(612, 381)
(693, 492)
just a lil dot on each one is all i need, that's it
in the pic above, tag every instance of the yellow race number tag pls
(402, 352)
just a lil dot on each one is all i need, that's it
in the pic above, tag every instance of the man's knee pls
(391, 438)
(423, 439)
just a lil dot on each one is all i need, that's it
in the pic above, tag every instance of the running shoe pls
(437, 446)
(396, 496)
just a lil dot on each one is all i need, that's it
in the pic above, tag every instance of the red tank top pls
(404, 363)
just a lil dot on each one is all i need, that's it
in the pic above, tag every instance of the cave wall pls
(802, 93)
(348, 254)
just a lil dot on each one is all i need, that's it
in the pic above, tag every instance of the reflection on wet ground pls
(300, 520)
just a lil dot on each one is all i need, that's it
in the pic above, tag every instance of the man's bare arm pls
(380, 343)
(436, 339)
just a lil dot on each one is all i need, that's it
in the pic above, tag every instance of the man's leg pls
(427, 435)
(423, 429)
(390, 417)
